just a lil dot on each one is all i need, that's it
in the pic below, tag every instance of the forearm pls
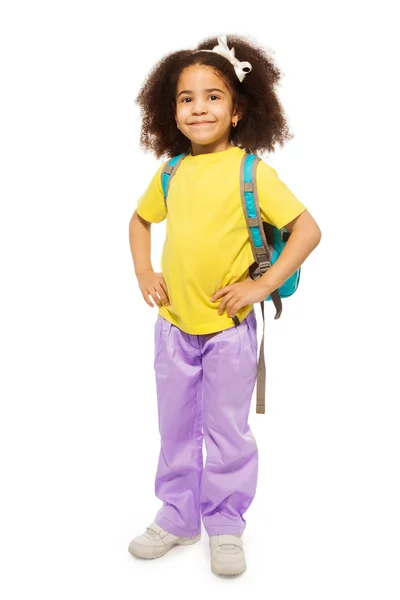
(298, 247)
(140, 244)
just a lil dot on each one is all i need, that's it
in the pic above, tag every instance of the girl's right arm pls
(150, 283)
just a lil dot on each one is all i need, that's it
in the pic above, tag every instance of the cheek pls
(222, 113)
(182, 112)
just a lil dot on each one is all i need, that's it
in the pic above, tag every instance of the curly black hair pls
(263, 124)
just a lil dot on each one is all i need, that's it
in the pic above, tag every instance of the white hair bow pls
(241, 68)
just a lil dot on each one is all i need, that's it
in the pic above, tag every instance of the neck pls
(209, 148)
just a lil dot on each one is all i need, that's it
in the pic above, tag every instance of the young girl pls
(214, 103)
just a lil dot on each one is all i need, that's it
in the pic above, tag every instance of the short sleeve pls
(151, 205)
(278, 205)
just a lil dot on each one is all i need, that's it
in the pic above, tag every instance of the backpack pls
(267, 243)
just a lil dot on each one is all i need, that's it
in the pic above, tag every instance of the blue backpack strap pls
(169, 171)
(248, 192)
(261, 234)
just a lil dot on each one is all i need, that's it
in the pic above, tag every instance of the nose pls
(198, 107)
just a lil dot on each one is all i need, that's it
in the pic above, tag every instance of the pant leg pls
(230, 473)
(178, 369)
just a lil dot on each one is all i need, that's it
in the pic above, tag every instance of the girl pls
(214, 104)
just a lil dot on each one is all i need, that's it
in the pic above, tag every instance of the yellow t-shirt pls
(207, 242)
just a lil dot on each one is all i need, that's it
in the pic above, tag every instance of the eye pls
(211, 96)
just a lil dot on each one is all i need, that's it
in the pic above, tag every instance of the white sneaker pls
(227, 556)
(156, 542)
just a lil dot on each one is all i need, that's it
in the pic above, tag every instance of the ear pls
(238, 112)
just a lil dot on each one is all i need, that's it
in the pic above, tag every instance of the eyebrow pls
(207, 90)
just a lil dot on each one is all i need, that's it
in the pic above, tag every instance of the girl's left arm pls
(305, 235)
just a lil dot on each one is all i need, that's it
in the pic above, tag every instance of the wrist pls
(142, 271)
(265, 284)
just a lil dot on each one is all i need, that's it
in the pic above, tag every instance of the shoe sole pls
(142, 554)
(228, 571)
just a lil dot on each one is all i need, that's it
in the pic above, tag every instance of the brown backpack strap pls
(260, 406)
(262, 256)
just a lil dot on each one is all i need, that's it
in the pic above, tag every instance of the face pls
(204, 109)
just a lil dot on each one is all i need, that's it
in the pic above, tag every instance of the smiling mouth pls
(204, 123)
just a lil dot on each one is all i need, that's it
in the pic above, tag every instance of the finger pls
(221, 306)
(217, 295)
(228, 307)
(146, 298)
(155, 297)
(223, 303)
(164, 292)
(164, 284)
(232, 309)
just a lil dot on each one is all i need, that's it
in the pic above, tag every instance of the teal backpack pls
(267, 243)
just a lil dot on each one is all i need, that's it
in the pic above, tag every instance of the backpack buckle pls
(264, 266)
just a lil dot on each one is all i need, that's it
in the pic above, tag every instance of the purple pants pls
(204, 388)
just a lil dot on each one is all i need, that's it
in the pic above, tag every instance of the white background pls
(79, 437)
